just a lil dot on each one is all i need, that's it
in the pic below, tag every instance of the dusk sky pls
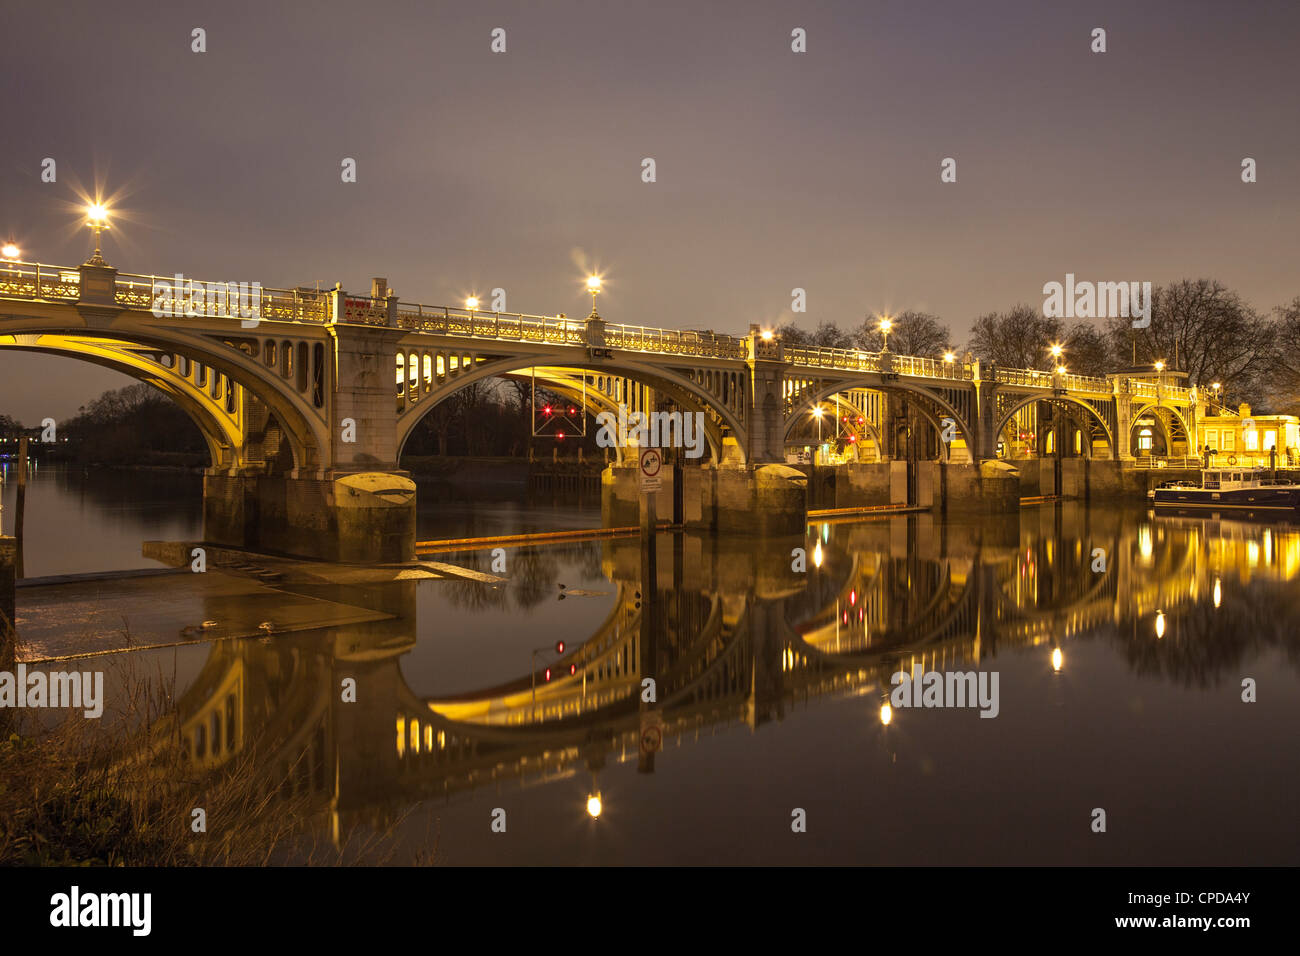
(775, 169)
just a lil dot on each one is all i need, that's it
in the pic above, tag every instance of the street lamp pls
(471, 303)
(594, 806)
(765, 335)
(949, 357)
(97, 219)
(10, 251)
(886, 324)
(1160, 365)
(818, 412)
(1056, 350)
(593, 286)
(1060, 370)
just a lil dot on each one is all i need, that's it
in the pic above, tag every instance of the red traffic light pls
(546, 410)
(572, 410)
(559, 647)
(559, 436)
(573, 668)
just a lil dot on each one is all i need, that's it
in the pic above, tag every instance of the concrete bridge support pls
(362, 518)
(753, 499)
(360, 507)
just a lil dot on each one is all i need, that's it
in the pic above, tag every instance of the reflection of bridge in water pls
(738, 638)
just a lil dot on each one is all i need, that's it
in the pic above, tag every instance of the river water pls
(1120, 640)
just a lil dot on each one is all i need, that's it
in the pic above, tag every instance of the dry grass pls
(120, 791)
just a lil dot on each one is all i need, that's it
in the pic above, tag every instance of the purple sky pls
(775, 169)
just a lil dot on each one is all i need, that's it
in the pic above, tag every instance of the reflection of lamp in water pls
(1144, 540)
(817, 555)
(1160, 624)
(1218, 592)
(1057, 659)
(594, 806)
(886, 714)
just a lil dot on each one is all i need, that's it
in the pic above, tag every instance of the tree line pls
(1198, 326)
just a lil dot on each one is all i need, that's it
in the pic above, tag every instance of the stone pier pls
(363, 518)
(736, 499)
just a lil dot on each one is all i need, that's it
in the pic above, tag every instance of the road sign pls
(651, 461)
(652, 732)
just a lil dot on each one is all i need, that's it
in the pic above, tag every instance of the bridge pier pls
(744, 499)
(360, 518)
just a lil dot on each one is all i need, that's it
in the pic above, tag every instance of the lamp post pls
(593, 286)
(97, 219)
(886, 323)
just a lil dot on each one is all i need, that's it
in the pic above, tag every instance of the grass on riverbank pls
(122, 793)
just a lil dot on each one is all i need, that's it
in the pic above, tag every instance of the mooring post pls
(20, 505)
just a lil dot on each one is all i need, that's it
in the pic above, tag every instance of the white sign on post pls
(651, 463)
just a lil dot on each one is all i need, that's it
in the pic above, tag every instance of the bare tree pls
(910, 333)
(1205, 329)
(1019, 338)
(1284, 360)
(1088, 351)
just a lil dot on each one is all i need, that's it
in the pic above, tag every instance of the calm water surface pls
(1119, 688)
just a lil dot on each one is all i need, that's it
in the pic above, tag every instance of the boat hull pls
(1255, 499)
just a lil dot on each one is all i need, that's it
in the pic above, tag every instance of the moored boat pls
(1231, 488)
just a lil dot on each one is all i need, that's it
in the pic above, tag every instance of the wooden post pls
(19, 506)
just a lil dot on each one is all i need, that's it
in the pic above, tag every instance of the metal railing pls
(36, 280)
(516, 326)
(818, 356)
(222, 300)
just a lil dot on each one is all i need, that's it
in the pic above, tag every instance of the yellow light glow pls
(886, 324)
(471, 303)
(1218, 592)
(819, 411)
(1057, 350)
(1160, 366)
(1160, 624)
(1215, 386)
(1057, 659)
(1060, 370)
(97, 212)
(593, 283)
(886, 714)
(766, 335)
(949, 357)
(594, 806)
(10, 251)
(817, 555)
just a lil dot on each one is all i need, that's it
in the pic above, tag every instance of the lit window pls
(1270, 439)
(1212, 438)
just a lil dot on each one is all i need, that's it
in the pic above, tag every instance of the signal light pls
(559, 436)
(548, 673)
(559, 647)
(546, 410)
(573, 669)
(572, 410)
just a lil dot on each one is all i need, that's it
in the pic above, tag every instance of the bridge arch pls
(134, 348)
(1032, 399)
(1164, 426)
(804, 405)
(553, 368)
(220, 429)
(796, 421)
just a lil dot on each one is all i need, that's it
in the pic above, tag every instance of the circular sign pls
(651, 461)
(652, 740)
